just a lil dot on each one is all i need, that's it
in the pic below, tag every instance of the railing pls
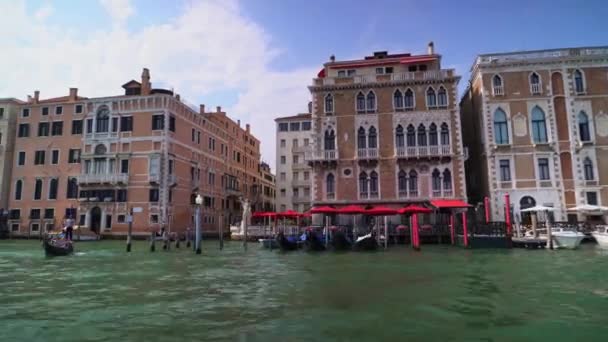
(172, 179)
(103, 178)
(448, 193)
(322, 155)
(153, 178)
(363, 195)
(373, 195)
(498, 90)
(535, 88)
(330, 195)
(365, 153)
(436, 193)
(423, 151)
(301, 182)
(542, 54)
(300, 149)
(395, 77)
(233, 192)
(301, 199)
(402, 193)
(413, 193)
(299, 166)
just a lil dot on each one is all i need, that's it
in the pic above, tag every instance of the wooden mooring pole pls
(130, 231)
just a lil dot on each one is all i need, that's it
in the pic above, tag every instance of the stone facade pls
(536, 124)
(96, 158)
(386, 130)
(8, 118)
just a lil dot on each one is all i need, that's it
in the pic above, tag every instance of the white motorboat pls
(567, 238)
(601, 236)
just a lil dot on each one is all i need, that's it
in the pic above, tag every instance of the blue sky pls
(256, 57)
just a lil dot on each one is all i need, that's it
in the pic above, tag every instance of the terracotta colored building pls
(536, 125)
(94, 159)
(386, 130)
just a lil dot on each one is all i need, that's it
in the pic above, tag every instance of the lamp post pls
(197, 218)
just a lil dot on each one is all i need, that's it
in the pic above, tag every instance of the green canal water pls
(440, 294)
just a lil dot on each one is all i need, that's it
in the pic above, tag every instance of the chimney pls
(309, 107)
(332, 58)
(177, 97)
(238, 122)
(30, 99)
(73, 94)
(247, 127)
(430, 49)
(219, 109)
(36, 96)
(146, 86)
(201, 109)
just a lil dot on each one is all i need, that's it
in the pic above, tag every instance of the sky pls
(255, 58)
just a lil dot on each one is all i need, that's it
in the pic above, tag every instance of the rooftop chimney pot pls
(36, 96)
(201, 109)
(430, 50)
(219, 108)
(73, 94)
(332, 58)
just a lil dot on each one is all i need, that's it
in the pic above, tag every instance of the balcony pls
(103, 178)
(387, 78)
(301, 199)
(299, 166)
(424, 151)
(300, 149)
(300, 182)
(233, 192)
(328, 155)
(367, 153)
(498, 90)
(535, 88)
(154, 178)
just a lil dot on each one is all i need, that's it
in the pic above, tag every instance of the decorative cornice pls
(353, 86)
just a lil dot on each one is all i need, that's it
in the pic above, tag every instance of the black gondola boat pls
(340, 242)
(54, 247)
(286, 244)
(314, 242)
(366, 243)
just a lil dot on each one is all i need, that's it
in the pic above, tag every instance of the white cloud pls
(43, 12)
(119, 10)
(210, 47)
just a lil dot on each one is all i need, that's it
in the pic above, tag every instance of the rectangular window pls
(283, 127)
(543, 169)
(158, 122)
(283, 176)
(124, 166)
(76, 127)
(121, 195)
(296, 159)
(24, 131)
(198, 137)
(53, 184)
(351, 72)
(306, 141)
(25, 112)
(505, 170)
(114, 124)
(294, 126)
(108, 222)
(14, 214)
(120, 219)
(45, 111)
(21, 158)
(283, 193)
(72, 188)
(591, 198)
(126, 124)
(294, 143)
(35, 214)
(306, 175)
(43, 129)
(388, 70)
(70, 213)
(295, 176)
(283, 160)
(193, 135)
(172, 123)
(154, 218)
(78, 109)
(38, 189)
(74, 156)
(89, 125)
(39, 157)
(379, 71)
(57, 128)
(341, 73)
(153, 195)
(283, 143)
(49, 213)
(55, 157)
(58, 110)
(306, 126)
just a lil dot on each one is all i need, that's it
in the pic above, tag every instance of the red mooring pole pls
(452, 235)
(416, 233)
(508, 214)
(465, 231)
(486, 207)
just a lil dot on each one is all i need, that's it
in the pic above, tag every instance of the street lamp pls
(197, 243)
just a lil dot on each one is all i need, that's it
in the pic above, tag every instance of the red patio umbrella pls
(323, 210)
(351, 210)
(380, 211)
(289, 214)
(258, 214)
(414, 209)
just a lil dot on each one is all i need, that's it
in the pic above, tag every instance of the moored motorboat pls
(366, 243)
(567, 239)
(601, 236)
(287, 243)
(56, 247)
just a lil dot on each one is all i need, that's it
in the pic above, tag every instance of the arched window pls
(398, 99)
(371, 101)
(329, 103)
(72, 190)
(330, 184)
(363, 183)
(431, 98)
(408, 99)
(330, 140)
(402, 181)
(497, 87)
(436, 180)
(373, 183)
(53, 188)
(421, 135)
(18, 190)
(361, 138)
(445, 134)
(433, 135)
(399, 137)
(578, 81)
(447, 180)
(372, 138)
(38, 189)
(360, 103)
(501, 130)
(103, 120)
(588, 166)
(539, 126)
(583, 126)
(534, 83)
(411, 136)
(413, 183)
(442, 97)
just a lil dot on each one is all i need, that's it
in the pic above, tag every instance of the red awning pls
(263, 214)
(449, 204)
(323, 210)
(289, 214)
(414, 209)
(351, 210)
(417, 59)
(380, 211)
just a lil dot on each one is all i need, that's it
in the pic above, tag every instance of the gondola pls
(340, 242)
(366, 243)
(55, 247)
(314, 242)
(287, 244)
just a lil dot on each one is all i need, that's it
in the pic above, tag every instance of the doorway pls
(96, 219)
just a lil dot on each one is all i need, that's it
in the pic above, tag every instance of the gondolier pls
(69, 228)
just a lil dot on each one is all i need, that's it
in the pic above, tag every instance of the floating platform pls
(530, 243)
